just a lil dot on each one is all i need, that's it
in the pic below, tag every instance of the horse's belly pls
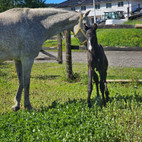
(8, 55)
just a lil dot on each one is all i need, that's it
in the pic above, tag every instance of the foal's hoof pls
(104, 103)
(15, 108)
(29, 107)
(107, 99)
(89, 105)
(98, 100)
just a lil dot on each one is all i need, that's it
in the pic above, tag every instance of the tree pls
(5, 5)
(68, 54)
(31, 3)
(8, 4)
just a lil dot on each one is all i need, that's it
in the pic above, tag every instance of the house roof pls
(70, 3)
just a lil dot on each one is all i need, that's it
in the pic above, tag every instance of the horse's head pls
(78, 29)
(91, 36)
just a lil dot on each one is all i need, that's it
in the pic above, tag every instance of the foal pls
(96, 61)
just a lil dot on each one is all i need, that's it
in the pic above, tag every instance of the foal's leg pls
(26, 69)
(102, 86)
(90, 86)
(95, 77)
(17, 99)
(106, 89)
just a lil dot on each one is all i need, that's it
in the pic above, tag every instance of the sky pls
(54, 1)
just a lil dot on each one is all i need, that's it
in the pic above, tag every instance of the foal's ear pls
(85, 27)
(95, 26)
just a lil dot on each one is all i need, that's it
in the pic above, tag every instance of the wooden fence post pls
(68, 54)
(59, 46)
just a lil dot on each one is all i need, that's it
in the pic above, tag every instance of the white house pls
(104, 9)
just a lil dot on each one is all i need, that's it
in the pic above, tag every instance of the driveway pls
(115, 58)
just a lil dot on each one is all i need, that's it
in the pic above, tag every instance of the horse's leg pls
(102, 86)
(26, 69)
(95, 77)
(106, 89)
(90, 86)
(17, 99)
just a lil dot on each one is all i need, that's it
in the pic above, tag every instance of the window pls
(73, 8)
(83, 8)
(108, 5)
(92, 20)
(120, 4)
(97, 6)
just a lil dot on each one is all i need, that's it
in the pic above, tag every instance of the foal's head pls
(91, 36)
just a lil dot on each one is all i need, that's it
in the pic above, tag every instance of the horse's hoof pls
(15, 108)
(29, 107)
(107, 99)
(98, 100)
(89, 105)
(104, 104)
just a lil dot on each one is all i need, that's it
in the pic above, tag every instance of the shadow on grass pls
(46, 77)
(127, 98)
(82, 103)
(72, 104)
(2, 74)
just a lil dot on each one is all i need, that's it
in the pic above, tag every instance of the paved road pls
(115, 58)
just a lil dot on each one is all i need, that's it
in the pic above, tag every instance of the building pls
(104, 9)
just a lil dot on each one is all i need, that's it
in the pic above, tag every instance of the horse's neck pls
(96, 41)
(47, 19)
(40, 14)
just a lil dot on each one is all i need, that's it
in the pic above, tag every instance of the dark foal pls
(97, 61)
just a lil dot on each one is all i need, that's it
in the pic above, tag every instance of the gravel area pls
(115, 58)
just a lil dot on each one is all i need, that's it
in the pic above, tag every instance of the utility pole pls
(94, 11)
(128, 10)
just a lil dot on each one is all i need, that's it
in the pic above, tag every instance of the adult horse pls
(22, 33)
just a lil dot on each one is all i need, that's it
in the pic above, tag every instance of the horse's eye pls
(88, 35)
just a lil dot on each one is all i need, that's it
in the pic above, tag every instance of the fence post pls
(68, 54)
(59, 46)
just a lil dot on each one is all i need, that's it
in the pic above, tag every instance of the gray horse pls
(22, 33)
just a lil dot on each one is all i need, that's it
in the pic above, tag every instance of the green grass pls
(62, 113)
(133, 22)
(120, 37)
(53, 43)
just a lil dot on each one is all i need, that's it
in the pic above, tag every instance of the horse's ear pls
(85, 27)
(95, 26)
(87, 13)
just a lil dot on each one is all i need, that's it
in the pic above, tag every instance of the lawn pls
(133, 22)
(120, 37)
(62, 113)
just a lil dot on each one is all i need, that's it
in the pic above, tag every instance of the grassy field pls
(62, 113)
(133, 22)
(120, 37)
